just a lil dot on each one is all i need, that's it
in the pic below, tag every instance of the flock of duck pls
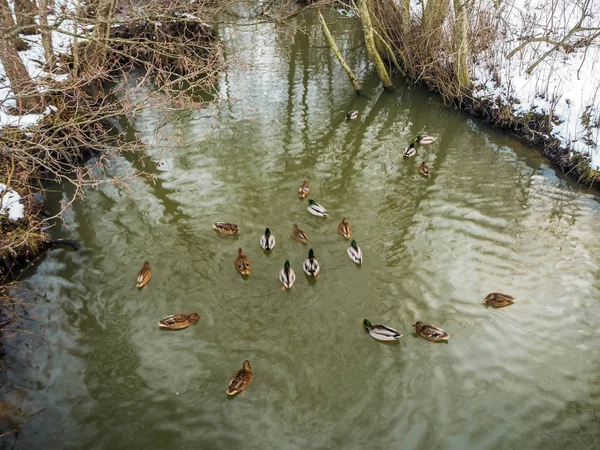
(311, 268)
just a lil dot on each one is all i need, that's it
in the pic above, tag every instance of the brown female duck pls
(240, 380)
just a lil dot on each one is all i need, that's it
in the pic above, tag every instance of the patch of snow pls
(11, 204)
(565, 85)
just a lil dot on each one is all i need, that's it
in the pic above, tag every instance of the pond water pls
(493, 216)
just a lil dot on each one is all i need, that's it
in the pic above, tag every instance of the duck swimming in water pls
(143, 276)
(287, 276)
(315, 209)
(311, 265)
(351, 115)
(240, 380)
(430, 332)
(267, 240)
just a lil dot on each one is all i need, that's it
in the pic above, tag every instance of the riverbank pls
(532, 70)
(84, 108)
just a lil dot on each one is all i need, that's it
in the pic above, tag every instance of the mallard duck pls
(267, 240)
(299, 235)
(351, 115)
(287, 276)
(143, 276)
(316, 209)
(345, 229)
(430, 332)
(303, 190)
(424, 170)
(240, 380)
(498, 300)
(242, 263)
(178, 321)
(311, 265)
(381, 332)
(410, 151)
(225, 227)
(425, 140)
(355, 253)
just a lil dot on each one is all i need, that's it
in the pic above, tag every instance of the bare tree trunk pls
(20, 81)
(365, 17)
(25, 12)
(337, 53)
(405, 7)
(434, 15)
(461, 45)
(8, 24)
(46, 34)
(96, 50)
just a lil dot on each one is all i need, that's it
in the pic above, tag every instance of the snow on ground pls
(34, 60)
(565, 85)
(11, 204)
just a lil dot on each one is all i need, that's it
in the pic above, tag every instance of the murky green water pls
(492, 217)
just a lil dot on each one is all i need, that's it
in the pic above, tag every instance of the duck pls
(351, 115)
(287, 276)
(240, 380)
(410, 150)
(315, 209)
(430, 332)
(143, 276)
(424, 170)
(178, 321)
(267, 240)
(242, 263)
(345, 229)
(299, 235)
(311, 265)
(381, 332)
(498, 300)
(303, 190)
(225, 227)
(355, 253)
(425, 140)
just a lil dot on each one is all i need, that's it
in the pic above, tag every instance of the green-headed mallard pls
(311, 265)
(425, 140)
(178, 321)
(498, 300)
(143, 276)
(351, 115)
(299, 235)
(267, 240)
(345, 229)
(303, 190)
(240, 380)
(381, 332)
(430, 332)
(355, 253)
(410, 151)
(287, 276)
(242, 263)
(424, 170)
(315, 209)
(225, 227)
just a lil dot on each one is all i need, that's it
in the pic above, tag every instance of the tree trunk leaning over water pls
(365, 18)
(337, 53)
